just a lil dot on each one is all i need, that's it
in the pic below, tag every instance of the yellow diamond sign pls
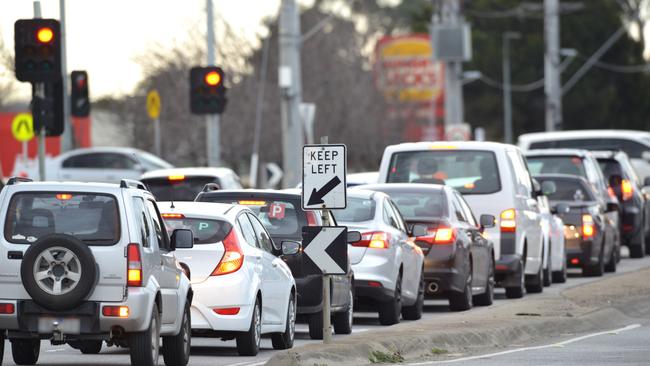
(22, 127)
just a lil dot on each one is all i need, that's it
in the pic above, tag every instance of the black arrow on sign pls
(316, 197)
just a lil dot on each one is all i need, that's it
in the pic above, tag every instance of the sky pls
(104, 37)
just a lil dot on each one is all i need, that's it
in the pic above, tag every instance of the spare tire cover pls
(58, 271)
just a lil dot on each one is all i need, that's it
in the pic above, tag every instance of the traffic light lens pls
(45, 35)
(212, 78)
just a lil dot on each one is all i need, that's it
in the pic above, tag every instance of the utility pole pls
(552, 82)
(453, 70)
(67, 139)
(291, 90)
(259, 108)
(213, 138)
(507, 86)
(39, 89)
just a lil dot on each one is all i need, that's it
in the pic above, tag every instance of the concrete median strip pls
(611, 303)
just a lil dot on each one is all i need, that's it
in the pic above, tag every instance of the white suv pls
(493, 179)
(86, 263)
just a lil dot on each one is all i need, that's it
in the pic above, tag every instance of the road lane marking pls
(559, 344)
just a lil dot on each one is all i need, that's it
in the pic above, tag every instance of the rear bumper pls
(587, 254)
(440, 281)
(366, 293)
(631, 221)
(508, 270)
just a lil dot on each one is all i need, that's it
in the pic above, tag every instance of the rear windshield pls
(420, 205)
(358, 210)
(206, 231)
(632, 148)
(571, 165)
(281, 218)
(468, 171)
(178, 188)
(569, 190)
(91, 218)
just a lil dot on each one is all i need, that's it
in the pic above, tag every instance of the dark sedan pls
(281, 213)
(459, 260)
(589, 243)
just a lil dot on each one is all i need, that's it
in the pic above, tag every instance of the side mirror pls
(537, 188)
(646, 181)
(548, 188)
(560, 208)
(290, 247)
(182, 239)
(487, 221)
(354, 237)
(612, 206)
(418, 230)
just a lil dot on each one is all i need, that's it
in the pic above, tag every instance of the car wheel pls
(315, 322)
(414, 312)
(547, 271)
(343, 321)
(638, 247)
(26, 351)
(612, 262)
(390, 311)
(58, 271)
(487, 297)
(144, 347)
(285, 340)
(176, 349)
(461, 301)
(248, 343)
(90, 347)
(517, 292)
(560, 276)
(595, 270)
(2, 346)
(535, 283)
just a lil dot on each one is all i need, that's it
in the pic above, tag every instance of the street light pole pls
(507, 86)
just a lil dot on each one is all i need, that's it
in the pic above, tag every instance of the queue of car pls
(188, 252)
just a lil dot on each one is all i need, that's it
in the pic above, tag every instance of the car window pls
(178, 188)
(206, 231)
(160, 234)
(571, 165)
(357, 210)
(399, 221)
(116, 161)
(262, 236)
(632, 148)
(570, 190)
(469, 215)
(83, 161)
(420, 204)
(458, 210)
(521, 173)
(142, 221)
(247, 230)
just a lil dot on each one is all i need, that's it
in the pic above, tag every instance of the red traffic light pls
(212, 78)
(45, 35)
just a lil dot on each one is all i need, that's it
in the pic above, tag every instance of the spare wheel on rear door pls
(58, 271)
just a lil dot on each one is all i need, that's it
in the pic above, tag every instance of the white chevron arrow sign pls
(316, 250)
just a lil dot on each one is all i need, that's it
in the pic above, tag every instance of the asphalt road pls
(207, 351)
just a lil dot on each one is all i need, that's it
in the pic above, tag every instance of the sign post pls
(153, 110)
(324, 188)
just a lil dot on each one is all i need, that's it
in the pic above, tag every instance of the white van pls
(493, 179)
(635, 143)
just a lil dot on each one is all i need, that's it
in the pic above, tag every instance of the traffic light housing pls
(207, 92)
(79, 100)
(37, 44)
(47, 108)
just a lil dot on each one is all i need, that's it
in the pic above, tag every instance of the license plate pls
(48, 324)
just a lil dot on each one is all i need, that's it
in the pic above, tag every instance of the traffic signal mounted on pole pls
(207, 92)
(37, 50)
(79, 100)
(47, 107)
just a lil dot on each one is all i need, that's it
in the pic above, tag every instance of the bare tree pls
(636, 12)
(7, 77)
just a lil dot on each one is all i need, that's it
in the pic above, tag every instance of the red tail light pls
(508, 221)
(116, 311)
(588, 228)
(134, 265)
(233, 257)
(374, 239)
(7, 308)
(440, 235)
(311, 218)
(626, 190)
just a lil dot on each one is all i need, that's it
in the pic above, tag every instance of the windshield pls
(185, 189)
(568, 190)
(206, 231)
(420, 205)
(358, 210)
(91, 218)
(468, 171)
(571, 165)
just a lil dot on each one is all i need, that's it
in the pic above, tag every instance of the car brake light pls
(176, 177)
(508, 222)
(252, 203)
(233, 257)
(445, 235)
(116, 311)
(575, 261)
(588, 228)
(63, 196)
(226, 311)
(134, 265)
(311, 218)
(172, 216)
(626, 188)
(7, 309)
(375, 240)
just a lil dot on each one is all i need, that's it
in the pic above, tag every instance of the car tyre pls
(638, 247)
(517, 292)
(248, 343)
(91, 347)
(487, 297)
(144, 347)
(26, 351)
(547, 271)
(285, 339)
(612, 262)
(315, 323)
(343, 321)
(560, 276)
(595, 270)
(414, 312)
(390, 311)
(2, 346)
(176, 349)
(461, 301)
(536, 283)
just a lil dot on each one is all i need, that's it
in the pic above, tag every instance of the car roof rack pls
(15, 180)
(131, 183)
(211, 187)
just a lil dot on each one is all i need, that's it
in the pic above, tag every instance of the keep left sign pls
(323, 176)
